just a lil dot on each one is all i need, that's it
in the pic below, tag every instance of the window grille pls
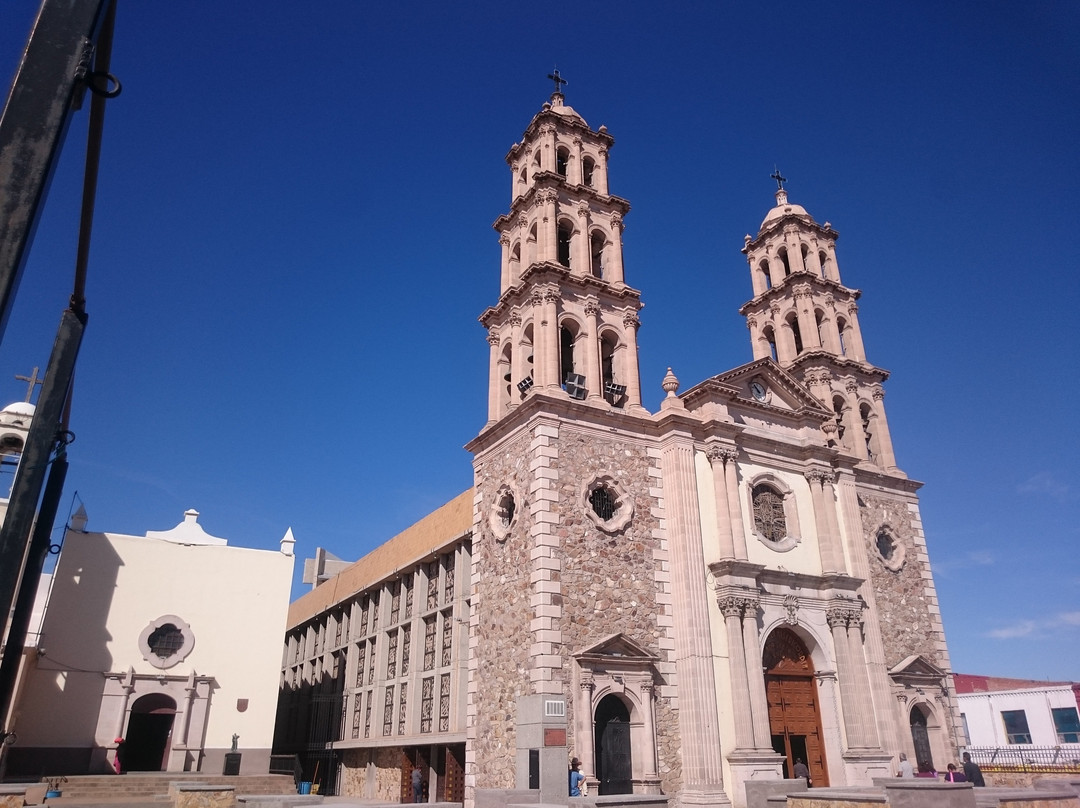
(395, 603)
(769, 518)
(403, 697)
(361, 662)
(357, 701)
(364, 607)
(371, 663)
(603, 503)
(427, 698)
(448, 580)
(433, 585)
(406, 643)
(388, 711)
(554, 709)
(391, 656)
(165, 641)
(444, 703)
(375, 613)
(408, 597)
(429, 643)
(447, 639)
(367, 713)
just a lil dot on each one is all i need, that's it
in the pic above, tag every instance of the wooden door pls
(455, 774)
(794, 717)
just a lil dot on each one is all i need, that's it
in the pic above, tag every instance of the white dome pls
(20, 408)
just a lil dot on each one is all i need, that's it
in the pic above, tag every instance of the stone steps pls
(148, 787)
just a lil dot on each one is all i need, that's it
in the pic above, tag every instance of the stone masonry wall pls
(907, 605)
(501, 614)
(354, 772)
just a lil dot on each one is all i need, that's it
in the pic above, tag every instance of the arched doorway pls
(794, 718)
(614, 769)
(149, 734)
(920, 738)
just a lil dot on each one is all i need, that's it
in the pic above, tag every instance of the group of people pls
(971, 773)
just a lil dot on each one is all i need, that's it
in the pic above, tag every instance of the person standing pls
(801, 771)
(905, 767)
(576, 778)
(954, 776)
(417, 784)
(972, 771)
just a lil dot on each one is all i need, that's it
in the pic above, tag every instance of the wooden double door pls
(449, 772)
(794, 717)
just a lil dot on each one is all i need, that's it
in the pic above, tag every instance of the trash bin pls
(305, 786)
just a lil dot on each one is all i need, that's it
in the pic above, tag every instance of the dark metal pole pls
(24, 604)
(35, 460)
(33, 123)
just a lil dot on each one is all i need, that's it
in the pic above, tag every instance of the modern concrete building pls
(687, 599)
(170, 640)
(1021, 713)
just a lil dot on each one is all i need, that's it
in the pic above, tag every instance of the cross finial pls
(558, 79)
(34, 382)
(780, 179)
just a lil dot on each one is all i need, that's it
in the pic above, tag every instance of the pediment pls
(617, 648)
(918, 667)
(761, 385)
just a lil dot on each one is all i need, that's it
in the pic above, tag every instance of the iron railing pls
(1026, 758)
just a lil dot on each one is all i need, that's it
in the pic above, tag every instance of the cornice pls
(563, 123)
(831, 582)
(608, 294)
(805, 220)
(606, 203)
(782, 289)
(863, 371)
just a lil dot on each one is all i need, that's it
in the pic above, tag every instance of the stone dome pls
(20, 408)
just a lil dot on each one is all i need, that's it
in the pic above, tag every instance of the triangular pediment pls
(761, 385)
(617, 648)
(916, 666)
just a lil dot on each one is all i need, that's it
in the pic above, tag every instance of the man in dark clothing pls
(972, 771)
(801, 771)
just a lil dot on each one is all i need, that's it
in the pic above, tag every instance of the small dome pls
(20, 408)
(783, 208)
(558, 107)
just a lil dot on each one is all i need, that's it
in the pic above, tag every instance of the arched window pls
(839, 405)
(823, 259)
(841, 329)
(530, 246)
(769, 336)
(566, 352)
(609, 375)
(527, 352)
(565, 235)
(796, 334)
(763, 268)
(505, 365)
(588, 165)
(805, 252)
(819, 320)
(769, 518)
(536, 160)
(562, 160)
(596, 253)
(782, 254)
(867, 423)
(515, 262)
(523, 177)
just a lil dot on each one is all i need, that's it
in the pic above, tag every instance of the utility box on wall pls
(541, 759)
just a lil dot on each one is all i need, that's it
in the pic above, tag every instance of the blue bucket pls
(305, 787)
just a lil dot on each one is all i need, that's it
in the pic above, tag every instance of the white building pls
(171, 640)
(1002, 713)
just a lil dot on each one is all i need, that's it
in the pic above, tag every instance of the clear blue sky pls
(293, 243)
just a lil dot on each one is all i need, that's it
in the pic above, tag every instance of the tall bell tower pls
(565, 318)
(804, 318)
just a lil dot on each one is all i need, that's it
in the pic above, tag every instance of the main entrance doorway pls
(924, 758)
(794, 718)
(614, 769)
(149, 733)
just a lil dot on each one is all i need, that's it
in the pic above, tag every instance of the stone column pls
(703, 776)
(615, 262)
(551, 337)
(580, 262)
(755, 680)
(517, 357)
(504, 243)
(647, 690)
(631, 323)
(732, 609)
(593, 381)
(794, 251)
(857, 719)
(856, 349)
(731, 476)
(865, 702)
(828, 548)
(716, 455)
(853, 426)
(585, 744)
(574, 171)
(494, 380)
(813, 264)
(600, 173)
(881, 425)
(539, 338)
(551, 222)
(832, 523)
(804, 310)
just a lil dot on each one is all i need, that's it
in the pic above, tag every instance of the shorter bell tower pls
(805, 319)
(565, 319)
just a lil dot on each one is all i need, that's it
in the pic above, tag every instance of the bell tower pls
(804, 318)
(565, 319)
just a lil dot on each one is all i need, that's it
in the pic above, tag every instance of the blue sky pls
(293, 243)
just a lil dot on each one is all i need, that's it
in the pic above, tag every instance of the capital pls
(583, 208)
(592, 306)
(720, 454)
(878, 392)
(616, 221)
(493, 337)
(515, 319)
(801, 290)
(551, 295)
(537, 297)
(851, 385)
(631, 320)
(815, 476)
(730, 606)
(504, 240)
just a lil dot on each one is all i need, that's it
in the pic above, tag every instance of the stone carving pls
(630, 320)
(493, 337)
(791, 607)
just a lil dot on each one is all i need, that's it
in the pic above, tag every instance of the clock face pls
(757, 389)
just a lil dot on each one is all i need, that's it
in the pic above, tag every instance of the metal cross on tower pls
(34, 382)
(780, 180)
(558, 79)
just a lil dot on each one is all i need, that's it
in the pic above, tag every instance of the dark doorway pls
(794, 719)
(613, 762)
(921, 738)
(149, 733)
(411, 757)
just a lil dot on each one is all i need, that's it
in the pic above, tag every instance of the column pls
(853, 421)
(731, 476)
(716, 456)
(732, 609)
(759, 702)
(593, 382)
(539, 338)
(600, 173)
(881, 426)
(504, 243)
(494, 382)
(551, 227)
(613, 270)
(832, 336)
(647, 691)
(856, 349)
(864, 701)
(551, 338)
(584, 723)
(574, 172)
(813, 264)
(851, 673)
(804, 310)
(703, 776)
(517, 358)
(580, 262)
(631, 323)
(794, 251)
(827, 544)
(832, 523)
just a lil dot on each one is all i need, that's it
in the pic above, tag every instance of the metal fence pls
(1026, 758)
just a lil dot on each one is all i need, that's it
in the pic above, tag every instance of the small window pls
(782, 254)
(1066, 724)
(796, 333)
(823, 259)
(587, 168)
(596, 250)
(607, 504)
(166, 640)
(763, 268)
(769, 518)
(565, 234)
(1016, 726)
(885, 545)
(562, 159)
(603, 503)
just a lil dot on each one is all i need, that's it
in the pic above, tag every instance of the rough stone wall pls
(354, 774)
(609, 581)
(906, 602)
(501, 612)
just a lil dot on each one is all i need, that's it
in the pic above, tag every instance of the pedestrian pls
(417, 784)
(120, 761)
(803, 772)
(577, 779)
(926, 769)
(972, 772)
(905, 767)
(953, 776)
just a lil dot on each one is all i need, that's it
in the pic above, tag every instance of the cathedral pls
(684, 600)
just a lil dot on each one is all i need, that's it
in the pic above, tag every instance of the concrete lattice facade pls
(711, 590)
